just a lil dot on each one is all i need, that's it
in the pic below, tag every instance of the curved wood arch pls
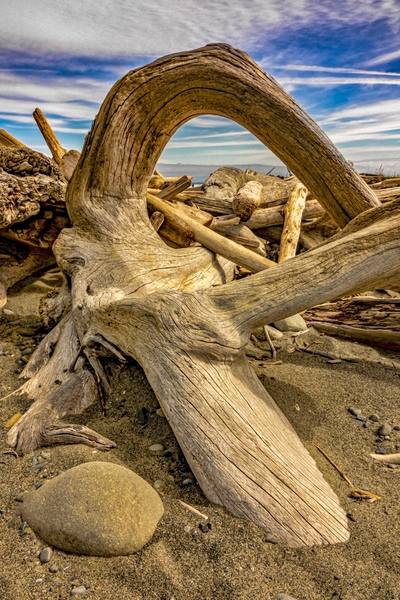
(147, 106)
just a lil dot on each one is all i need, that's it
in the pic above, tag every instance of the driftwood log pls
(177, 312)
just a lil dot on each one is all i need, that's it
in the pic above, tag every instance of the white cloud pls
(130, 27)
(383, 58)
(335, 81)
(322, 69)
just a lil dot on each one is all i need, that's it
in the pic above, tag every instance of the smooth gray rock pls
(384, 429)
(78, 590)
(274, 333)
(284, 597)
(45, 554)
(96, 508)
(293, 323)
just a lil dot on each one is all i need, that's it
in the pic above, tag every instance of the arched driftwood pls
(176, 312)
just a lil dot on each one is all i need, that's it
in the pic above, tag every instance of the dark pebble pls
(204, 527)
(354, 411)
(271, 539)
(20, 362)
(374, 418)
(143, 416)
(379, 440)
(367, 424)
(18, 371)
(3, 511)
(351, 517)
(380, 451)
(384, 429)
(28, 351)
(396, 427)
(45, 554)
(23, 526)
(37, 467)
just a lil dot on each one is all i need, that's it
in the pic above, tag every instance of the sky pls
(339, 59)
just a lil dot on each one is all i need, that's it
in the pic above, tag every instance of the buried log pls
(167, 307)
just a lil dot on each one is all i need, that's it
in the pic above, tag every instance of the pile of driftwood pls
(252, 213)
(176, 311)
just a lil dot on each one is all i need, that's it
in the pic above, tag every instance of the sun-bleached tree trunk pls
(178, 312)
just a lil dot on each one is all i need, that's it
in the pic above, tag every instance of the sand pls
(232, 560)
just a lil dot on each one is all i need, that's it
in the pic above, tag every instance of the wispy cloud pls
(383, 58)
(123, 27)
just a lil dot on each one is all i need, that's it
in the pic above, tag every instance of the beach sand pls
(232, 560)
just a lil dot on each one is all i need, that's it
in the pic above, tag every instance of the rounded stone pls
(293, 323)
(156, 448)
(271, 539)
(284, 597)
(45, 554)
(355, 411)
(374, 418)
(96, 508)
(384, 429)
(78, 590)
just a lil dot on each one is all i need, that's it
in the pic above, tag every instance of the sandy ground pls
(232, 560)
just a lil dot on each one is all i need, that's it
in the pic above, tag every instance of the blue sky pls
(339, 59)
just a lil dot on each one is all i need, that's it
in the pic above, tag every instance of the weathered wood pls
(266, 217)
(247, 199)
(224, 183)
(382, 338)
(167, 308)
(49, 136)
(157, 219)
(172, 189)
(293, 213)
(6, 139)
(156, 180)
(239, 231)
(215, 242)
(22, 197)
(174, 226)
(68, 163)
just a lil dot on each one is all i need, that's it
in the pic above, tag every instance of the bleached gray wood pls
(176, 311)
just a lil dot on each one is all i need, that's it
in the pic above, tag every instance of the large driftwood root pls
(174, 310)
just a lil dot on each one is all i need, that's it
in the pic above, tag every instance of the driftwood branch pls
(166, 307)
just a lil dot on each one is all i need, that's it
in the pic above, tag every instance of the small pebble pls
(284, 597)
(45, 554)
(396, 428)
(25, 331)
(156, 448)
(367, 424)
(45, 454)
(158, 484)
(358, 422)
(374, 418)
(143, 416)
(354, 411)
(78, 590)
(20, 363)
(53, 569)
(7, 311)
(351, 517)
(271, 539)
(205, 527)
(384, 429)
(28, 351)
(334, 361)
(18, 371)
(160, 413)
(186, 482)
(391, 466)
(40, 580)
(380, 451)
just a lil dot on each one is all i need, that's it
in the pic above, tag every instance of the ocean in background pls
(200, 173)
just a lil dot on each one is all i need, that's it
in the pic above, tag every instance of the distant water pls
(388, 167)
